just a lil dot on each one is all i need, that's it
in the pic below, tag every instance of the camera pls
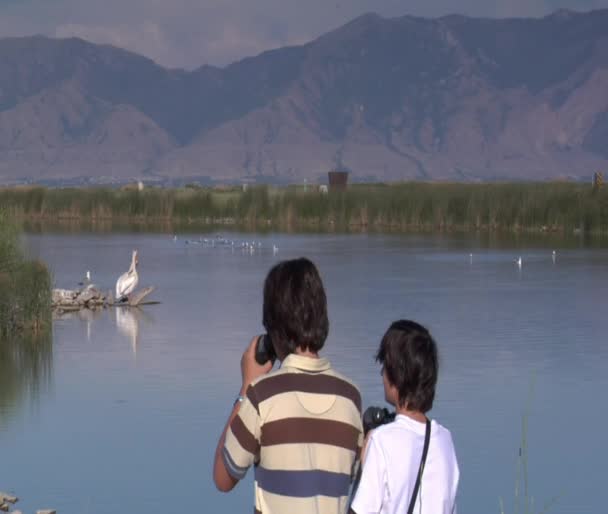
(264, 350)
(373, 417)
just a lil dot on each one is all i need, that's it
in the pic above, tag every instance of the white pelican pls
(519, 262)
(127, 281)
(554, 256)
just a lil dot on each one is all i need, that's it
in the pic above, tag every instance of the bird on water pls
(86, 280)
(127, 282)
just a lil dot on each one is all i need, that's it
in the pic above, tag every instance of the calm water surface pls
(126, 416)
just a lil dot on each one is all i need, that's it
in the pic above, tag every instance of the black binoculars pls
(373, 417)
(264, 350)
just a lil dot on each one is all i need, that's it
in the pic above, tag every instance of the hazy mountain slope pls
(390, 99)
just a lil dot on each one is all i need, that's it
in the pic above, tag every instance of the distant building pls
(338, 180)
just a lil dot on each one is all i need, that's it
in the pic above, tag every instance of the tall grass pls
(25, 287)
(523, 501)
(407, 206)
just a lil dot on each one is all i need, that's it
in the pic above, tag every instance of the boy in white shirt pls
(393, 453)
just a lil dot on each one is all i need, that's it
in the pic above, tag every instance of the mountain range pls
(451, 98)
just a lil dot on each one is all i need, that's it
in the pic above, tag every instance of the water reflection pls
(86, 316)
(25, 372)
(128, 320)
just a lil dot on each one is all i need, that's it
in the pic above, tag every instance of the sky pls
(190, 33)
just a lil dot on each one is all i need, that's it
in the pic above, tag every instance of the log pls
(137, 297)
(46, 511)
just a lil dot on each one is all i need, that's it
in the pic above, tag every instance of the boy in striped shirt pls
(300, 426)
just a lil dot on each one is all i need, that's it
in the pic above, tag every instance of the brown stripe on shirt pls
(306, 383)
(310, 430)
(253, 398)
(244, 437)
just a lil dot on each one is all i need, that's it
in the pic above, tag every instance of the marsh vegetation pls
(552, 207)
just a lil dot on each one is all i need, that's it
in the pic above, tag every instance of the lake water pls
(127, 413)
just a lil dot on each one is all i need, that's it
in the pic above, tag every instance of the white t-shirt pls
(391, 466)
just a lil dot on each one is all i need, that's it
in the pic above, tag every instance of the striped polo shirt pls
(301, 427)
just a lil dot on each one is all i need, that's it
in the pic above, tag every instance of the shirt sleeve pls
(357, 461)
(370, 494)
(242, 445)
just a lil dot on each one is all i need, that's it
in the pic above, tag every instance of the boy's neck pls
(306, 353)
(416, 415)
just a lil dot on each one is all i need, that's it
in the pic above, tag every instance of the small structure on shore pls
(338, 180)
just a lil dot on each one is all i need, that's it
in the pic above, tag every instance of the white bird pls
(518, 261)
(127, 282)
(554, 256)
(471, 258)
(87, 279)
(275, 249)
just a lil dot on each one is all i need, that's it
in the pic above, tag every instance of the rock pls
(48, 511)
(8, 498)
(4, 507)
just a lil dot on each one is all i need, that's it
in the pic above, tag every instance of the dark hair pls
(295, 307)
(408, 354)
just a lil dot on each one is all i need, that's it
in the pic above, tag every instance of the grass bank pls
(532, 207)
(25, 288)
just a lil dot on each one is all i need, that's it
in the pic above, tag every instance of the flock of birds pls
(221, 242)
(519, 260)
(128, 281)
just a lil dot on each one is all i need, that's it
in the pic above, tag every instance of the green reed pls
(523, 500)
(25, 287)
(547, 206)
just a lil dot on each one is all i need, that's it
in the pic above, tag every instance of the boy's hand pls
(250, 369)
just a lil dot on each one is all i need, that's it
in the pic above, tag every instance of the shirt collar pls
(305, 363)
(416, 426)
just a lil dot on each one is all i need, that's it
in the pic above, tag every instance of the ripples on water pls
(124, 413)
